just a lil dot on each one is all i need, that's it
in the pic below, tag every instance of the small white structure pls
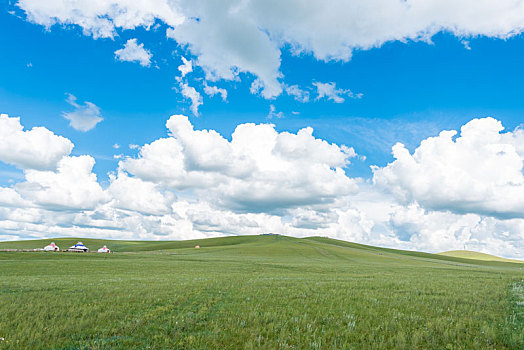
(79, 247)
(104, 249)
(51, 247)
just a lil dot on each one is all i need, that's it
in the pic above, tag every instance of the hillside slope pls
(467, 254)
(269, 247)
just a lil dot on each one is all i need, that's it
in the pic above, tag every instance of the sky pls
(392, 123)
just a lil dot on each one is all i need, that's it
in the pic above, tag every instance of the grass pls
(270, 292)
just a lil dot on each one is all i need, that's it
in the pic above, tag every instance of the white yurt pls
(104, 249)
(79, 247)
(52, 247)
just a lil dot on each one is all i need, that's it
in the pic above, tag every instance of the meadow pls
(250, 292)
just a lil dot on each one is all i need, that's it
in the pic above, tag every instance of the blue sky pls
(413, 84)
(435, 86)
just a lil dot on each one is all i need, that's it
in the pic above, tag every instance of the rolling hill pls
(467, 254)
(267, 245)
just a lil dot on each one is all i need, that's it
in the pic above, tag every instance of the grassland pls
(269, 292)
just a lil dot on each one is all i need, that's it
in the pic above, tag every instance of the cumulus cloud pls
(134, 194)
(10, 198)
(134, 52)
(378, 218)
(37, 148)
(479, 171)
(229, 38)
(330, 91)
(197, 183)
(83, 118)
(247, 173)
(436, 231)
(53, 178)
(194, 183)
(72, 186)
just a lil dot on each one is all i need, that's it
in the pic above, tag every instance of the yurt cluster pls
(77, 248)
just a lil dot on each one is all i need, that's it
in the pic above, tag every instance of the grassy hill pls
(268, 245)
(272, 292)
(467, 254)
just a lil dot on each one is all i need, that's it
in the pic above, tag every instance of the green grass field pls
(271, 292)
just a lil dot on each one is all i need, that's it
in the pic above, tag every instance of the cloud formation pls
(330, 91)
(186, 67)
(83, 118)
(259, 170)
(215, 90)
(454, 190)
(297, 93)
(134, 52)
(101, 19)
(480, 171)
(72, 185)
(234, 37)
(273, 113)
(192, 95)
(37, 148)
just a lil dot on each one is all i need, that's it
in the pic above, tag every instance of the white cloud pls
(134, 52)
(133, 194)
(437, 231)
(10, 198)
(98, 18)
(273, 113)
(247, 172)
(297, 93)
(383, 221)
(333, 32)
(37, 148)
(53, 179)
(194, 96)
(222, 187)
(466, 44)
(186, 67)
(197, 183)
(71, 186)
(329, 91)
(214, 90)
(83, 118)
(229, 38)
(479, 171)
(227, 43)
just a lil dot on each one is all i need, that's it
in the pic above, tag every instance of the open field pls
(271, 292)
